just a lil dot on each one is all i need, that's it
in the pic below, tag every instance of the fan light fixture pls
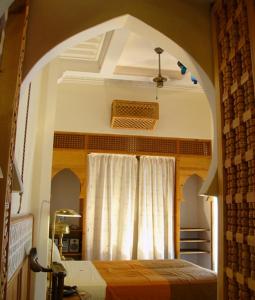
(159, 79)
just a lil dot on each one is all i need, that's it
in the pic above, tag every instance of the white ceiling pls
(120, 55)
(140, 52)
(87, 50)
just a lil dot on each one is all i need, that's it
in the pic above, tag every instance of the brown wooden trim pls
(11, 76)
(18, 287)
(16, 272)
(177, 210)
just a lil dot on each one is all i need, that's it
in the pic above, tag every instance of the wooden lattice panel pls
(158, 145)
(111, 143)
(236, 82)
(195, 147)
(72, 141)
(132, 144)
(134, 114)
(16, 74)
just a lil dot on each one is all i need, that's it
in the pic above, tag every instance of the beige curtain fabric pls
(111, 206)
(156, 205)
(129, 212)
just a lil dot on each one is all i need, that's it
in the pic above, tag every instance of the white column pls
(41, 187)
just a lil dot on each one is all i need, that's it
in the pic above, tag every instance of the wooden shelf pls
(194, 241)
(194, 229)
(71, 253)
(193, 251)
(75, 230)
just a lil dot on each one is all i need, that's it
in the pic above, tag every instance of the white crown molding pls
(146, 72)
(81, 80)
(170, 86)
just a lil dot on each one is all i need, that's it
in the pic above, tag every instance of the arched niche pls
(195, 209)
(196, 212)
(65, 193)
(56, 171)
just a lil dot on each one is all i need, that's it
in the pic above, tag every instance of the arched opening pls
(45, 120)
(196, 224)
(135, 25)
(65, 193)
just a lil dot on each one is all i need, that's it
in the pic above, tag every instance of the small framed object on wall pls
(74, 245)
(65, 242)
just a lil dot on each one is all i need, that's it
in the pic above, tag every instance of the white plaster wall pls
(4, 5)
(87, 108)
(38, 164)
(42, 174)
(29, 158)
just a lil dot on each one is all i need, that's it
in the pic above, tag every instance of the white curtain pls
(129, 213)
(111, 206)
(156, 205)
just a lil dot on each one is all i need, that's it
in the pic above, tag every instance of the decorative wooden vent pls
(72, 141)
(134, 114)
(131, 144)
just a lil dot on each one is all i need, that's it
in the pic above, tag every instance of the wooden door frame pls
(10, 82)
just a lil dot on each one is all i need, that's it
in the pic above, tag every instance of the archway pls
(133, 24)
(139, 27)
(196, 224)
(65, 191)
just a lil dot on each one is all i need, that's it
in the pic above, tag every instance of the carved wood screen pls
(12, 76)
(132, 144)
(233, 25)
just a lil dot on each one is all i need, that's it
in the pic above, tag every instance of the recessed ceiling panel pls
(140, 52)
(88, 50)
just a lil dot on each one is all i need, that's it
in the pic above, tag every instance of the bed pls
(141, 280)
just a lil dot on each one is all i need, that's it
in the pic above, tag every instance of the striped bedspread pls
(153, 280)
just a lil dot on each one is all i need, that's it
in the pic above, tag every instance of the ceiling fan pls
(159, 80)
